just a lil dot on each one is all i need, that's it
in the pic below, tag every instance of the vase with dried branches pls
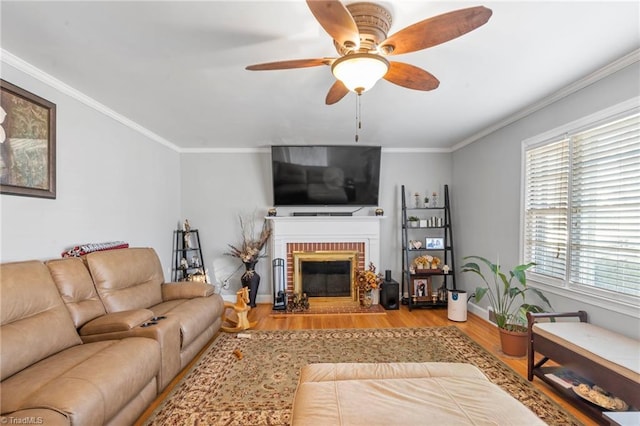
(249, 252)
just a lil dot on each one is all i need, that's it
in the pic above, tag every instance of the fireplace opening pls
(325, 274)
(327, 278)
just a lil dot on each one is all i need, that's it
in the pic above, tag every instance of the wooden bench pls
(600, 356)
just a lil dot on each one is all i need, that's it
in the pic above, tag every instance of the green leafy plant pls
(504, 293)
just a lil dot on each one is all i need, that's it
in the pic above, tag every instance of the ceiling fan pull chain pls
(358, 117)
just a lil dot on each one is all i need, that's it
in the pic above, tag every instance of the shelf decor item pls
(504, 294)
(249, 252)
(366, 282)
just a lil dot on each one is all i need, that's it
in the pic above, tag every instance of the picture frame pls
(27, 143)
(434, 243)
(421, 289)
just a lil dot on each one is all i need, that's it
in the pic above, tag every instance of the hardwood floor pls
(476, 328)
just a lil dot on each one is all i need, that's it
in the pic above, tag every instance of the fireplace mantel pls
(288, 230)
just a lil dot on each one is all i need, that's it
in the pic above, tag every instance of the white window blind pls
(547, 190)
(582, 207)
(605, 207)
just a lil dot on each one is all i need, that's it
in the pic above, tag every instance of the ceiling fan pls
(359, 32)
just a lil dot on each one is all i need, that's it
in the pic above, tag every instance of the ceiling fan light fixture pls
(360, 71)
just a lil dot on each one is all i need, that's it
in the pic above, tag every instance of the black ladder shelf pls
(428, 287)
(188, 264)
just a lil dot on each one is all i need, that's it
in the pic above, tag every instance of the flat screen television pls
(325, 175)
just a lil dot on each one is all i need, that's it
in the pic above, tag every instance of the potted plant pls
(507, 299)
(413, 221)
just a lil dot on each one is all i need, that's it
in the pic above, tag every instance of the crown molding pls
(267, 149)
(22, 65)
(590, 79)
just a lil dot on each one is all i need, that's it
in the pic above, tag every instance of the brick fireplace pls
(326, 253)
(324, 238)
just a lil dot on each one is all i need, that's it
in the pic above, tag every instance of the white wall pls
(113, 183)
(217, 187)
(487, 178)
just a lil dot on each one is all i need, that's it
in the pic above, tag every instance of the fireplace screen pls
(325, 273)
(326, 278)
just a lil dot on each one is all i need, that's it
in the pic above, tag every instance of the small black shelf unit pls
(435, 282)
(186, 245)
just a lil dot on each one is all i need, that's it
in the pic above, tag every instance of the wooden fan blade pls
(296, 63)
(411, 77)
(336, 20)
(436, 30)
(336, 92)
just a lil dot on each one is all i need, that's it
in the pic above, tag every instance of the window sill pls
(629, 306)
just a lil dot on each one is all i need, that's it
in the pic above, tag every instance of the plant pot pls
(514, 343)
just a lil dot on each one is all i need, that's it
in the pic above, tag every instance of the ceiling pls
(177, 68)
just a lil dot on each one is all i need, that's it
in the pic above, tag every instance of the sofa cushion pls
(89, 383)
(77, 290)
(194, 315)
(35, 322)
(127, 279)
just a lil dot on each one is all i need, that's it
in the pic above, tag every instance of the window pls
(581, 205)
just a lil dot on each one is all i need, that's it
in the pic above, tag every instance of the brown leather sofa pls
(116, 301)
(49, 375)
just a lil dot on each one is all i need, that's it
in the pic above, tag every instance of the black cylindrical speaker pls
(387, 275)
(389, 295)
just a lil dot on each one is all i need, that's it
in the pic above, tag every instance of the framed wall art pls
(27, 143)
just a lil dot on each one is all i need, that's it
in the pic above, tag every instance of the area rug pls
(325, 309)
(251, 381)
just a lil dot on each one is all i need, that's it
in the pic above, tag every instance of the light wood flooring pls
(476, 328)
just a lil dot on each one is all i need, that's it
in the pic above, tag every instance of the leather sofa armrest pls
(185, 290)
(116, 321)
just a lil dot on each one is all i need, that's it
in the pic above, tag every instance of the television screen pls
(326, 175)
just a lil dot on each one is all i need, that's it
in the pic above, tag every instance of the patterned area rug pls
(257, 387)
(337, 309)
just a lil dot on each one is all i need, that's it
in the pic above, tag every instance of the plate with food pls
(598, 396)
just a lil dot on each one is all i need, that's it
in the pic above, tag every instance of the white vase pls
(375, 296)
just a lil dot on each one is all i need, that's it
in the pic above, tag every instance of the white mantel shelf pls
(319, 229)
